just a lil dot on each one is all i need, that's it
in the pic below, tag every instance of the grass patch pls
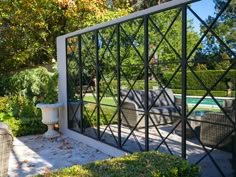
(146, 164)
(105, 100)
(110, 101)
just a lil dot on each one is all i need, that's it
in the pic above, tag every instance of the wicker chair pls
(215, 127)
(6, 140)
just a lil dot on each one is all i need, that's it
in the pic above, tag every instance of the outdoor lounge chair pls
(216, 129)
(163, 107)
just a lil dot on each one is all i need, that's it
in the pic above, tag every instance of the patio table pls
(194, 120)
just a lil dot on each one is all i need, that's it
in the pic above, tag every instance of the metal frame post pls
(97, 85)
(146, 63)
(118, 83)
(184, 76)
(81, 83)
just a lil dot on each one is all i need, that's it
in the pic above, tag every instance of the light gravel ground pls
(35, 155)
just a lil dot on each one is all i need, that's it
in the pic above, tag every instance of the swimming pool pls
(208, 101)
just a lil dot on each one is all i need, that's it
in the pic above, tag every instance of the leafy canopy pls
(28, 29)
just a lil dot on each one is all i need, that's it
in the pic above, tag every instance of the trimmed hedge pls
(208, 77)
(138, 164)
(201, 92)
(194, 87)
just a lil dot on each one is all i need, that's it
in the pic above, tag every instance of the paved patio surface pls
(195, 153)
(34, 155)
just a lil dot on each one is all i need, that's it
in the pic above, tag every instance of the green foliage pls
(3, 103)
(21, 115)
(37, 85)
(143, 4)
(20, 106)
(49, 90)
(201, 92)
(139, 85)
(208, 77)
(214, 53)
(131, 46)
(24, 90)
(25, 126)
(138, 164)
(29, 28)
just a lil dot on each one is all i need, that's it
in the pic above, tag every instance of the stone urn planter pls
(50, 116)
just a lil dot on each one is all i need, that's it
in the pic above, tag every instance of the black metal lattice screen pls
(156, 81)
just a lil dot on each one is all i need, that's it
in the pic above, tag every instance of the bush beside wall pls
(25, 126)
(21, 92)
(138, 164)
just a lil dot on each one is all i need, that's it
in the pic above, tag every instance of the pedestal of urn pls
(50, 116)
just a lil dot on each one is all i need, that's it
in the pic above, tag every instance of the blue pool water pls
(206, 101)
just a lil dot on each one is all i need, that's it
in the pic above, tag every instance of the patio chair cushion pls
(160, 102)
(156, 98)
(153, 98)
(132, 95)
(167, 97)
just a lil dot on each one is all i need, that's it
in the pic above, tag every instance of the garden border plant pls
(152, 163)
(23, 91)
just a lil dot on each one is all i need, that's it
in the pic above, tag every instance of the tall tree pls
(143, 4)
(214, 53)
(28, 29)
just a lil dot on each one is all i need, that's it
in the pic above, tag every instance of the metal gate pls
(161, 79)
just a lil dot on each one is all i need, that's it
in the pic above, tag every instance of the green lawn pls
(110, 101)
(105, 100)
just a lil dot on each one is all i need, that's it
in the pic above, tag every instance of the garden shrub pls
(21, 115)
(24, 90)
(25, 126)
(139, 85)
(201, 92)
(20, 106)
(138, 164)
(3, 103)
(208, 77)
(29, 83)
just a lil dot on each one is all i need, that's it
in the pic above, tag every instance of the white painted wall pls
(62, 97)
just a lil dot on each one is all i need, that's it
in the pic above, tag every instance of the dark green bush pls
(20, 106)
(139, 85)
(21, 115)
(201, 92)
(29, 83)
(24, 89)
(208, 77)
(25, 126)
(3, 103)
(138, 164)
(194, 87)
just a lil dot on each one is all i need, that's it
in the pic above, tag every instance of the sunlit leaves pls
(28, 29)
